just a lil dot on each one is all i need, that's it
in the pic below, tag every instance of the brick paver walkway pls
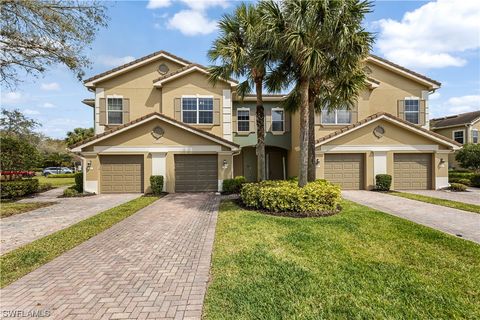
(152, 265)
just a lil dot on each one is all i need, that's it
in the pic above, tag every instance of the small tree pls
(17, 154)
(14, 123)
(469, 157)
(78, 134)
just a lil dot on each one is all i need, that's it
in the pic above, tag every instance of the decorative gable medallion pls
(157, 132)
(378, 132)
(163, 69)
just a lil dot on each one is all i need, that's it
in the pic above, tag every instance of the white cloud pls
(455, 105)
(13, 97)
(190, 23)
(111, 61)
(434, 96)
(433, 35)
(156, 4)
(48, 105)
(30, 112)
(52, 86)
(200, 5)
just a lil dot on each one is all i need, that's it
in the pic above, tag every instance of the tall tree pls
(78, 134)
(242, 52)
(35, 34)
(324, 45)
(13, 123)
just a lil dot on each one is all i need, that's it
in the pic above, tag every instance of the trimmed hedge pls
(286, 197)
(475, 180)
(156, 183)
(61, 175)
(457, 187)
(72, 192)
(79, 181)
(18, 188)
(383, 182)
(233, 185)
(464, 181)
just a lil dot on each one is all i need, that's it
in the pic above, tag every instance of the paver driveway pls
(26, 227)
(152, 265)
(449, 220)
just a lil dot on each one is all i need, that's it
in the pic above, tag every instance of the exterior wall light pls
(225, 164)
(442, 163)
(317, 162)
(89, 165)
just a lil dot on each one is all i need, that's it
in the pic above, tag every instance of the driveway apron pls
(152, 265)
(453, 221)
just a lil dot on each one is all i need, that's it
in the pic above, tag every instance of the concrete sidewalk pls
(449, 220)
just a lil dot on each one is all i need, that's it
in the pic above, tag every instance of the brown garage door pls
(196, 173)
(121, 174)
(345, 169)
(412, 171)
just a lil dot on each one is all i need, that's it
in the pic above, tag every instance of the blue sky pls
(440, 39)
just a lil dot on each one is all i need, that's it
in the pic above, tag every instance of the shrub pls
(457, 187)
(18, 188)
(383, 182)
(233, 185)
(460, 180)
(79, 181)
(315, 199)
(156, 183)
(475, 180)
(469, 156)
(62, 175)
(70, 192)
(459, 175)
(42, 187)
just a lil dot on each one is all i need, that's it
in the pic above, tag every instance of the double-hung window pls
(278, 120)
(475, 136)
(338, 116)
(459, 136)
(412, 110)
(243, 120)
(197, 110)
(115, 110)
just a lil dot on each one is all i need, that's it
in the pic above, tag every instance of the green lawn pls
(440, 202)
(23, 260)
(56, 182)
(358, 264)
(8, 209)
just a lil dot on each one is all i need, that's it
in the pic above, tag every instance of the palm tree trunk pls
(260, 132)
(311, 140)
(304, 131)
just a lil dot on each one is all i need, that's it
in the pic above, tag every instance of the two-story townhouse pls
(159, 115)
(463, 128)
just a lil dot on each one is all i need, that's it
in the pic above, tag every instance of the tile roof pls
(123, 66)
(108, 132)
(182, 69)
(378, 115)
(405, 69)
(458, 119)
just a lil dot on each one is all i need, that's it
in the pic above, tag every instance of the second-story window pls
(475, 136)
(339, 116)
(115, 110)
(197, 110)
(278, 120)
(243, 120)
(459, 136)
(412, 110)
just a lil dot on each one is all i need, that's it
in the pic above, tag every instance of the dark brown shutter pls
(103, 111)
(177, 104)
(253, 119)
(234, 120)
(422, 114)
(126, 110)
(401, 109)
(268, 119)
(287, 120)
(216, 112)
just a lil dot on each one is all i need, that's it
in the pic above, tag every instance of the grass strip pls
(8, 209)
(441, 202)
(19, 262)
(57, 182)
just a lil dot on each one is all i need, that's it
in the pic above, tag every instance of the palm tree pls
(322, 45)
(242, 52)
(78, 134)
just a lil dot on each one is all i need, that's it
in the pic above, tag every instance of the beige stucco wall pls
(137, 85)
(194, 83)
